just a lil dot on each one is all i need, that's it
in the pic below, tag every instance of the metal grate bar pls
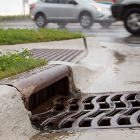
(55, 54)
(48, 54)
(70, 58)
(60, 56)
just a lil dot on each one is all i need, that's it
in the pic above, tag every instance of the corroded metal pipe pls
(39, 81)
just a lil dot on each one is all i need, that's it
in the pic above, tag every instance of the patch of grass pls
(19, 36)
(15, 17)
(14, 63)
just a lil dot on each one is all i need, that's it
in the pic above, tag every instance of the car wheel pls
(106, 24)
(132, 21)
(62, 24)
(41, 20)
(86, 20)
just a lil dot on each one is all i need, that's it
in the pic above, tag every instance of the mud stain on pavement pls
(120, 57)
(52, 136)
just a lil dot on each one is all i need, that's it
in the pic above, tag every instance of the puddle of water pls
(133, 39)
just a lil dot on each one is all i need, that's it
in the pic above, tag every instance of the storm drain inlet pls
(63, 113)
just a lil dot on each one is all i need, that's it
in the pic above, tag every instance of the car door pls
(51, 9)
(67, 11)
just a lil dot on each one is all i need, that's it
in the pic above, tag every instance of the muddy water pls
(52, 136)
(108, 134)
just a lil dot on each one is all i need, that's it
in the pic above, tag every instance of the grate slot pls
(138, 119)
(67, 124)
(102, 99)
(116, 98)
(133, 111)
(114, 113)
(58, 107)
(135, 104)
(120, 105)
(73, 101)
(88, 106)
(104, 122)
(124, 121)
(96, 114)
(50, 124)
(85, 123)
(131, 97)
(60, 100)
(103, 105)
(88, 100)
(73, 107)
(79, 115)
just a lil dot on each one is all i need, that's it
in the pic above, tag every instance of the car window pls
(64, 1)
(50, 1)
(86, 1)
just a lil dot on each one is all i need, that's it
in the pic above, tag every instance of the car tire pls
(132, 21)
(106, 24)
(41, 20)
(86, 20)
(62, 24)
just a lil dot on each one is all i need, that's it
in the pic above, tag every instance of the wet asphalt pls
(116, 33)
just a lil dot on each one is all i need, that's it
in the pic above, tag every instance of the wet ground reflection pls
(133, 39)
(124, 38)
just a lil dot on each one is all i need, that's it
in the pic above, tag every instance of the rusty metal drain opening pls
(38, 88)
(64, 113)
(59, 87)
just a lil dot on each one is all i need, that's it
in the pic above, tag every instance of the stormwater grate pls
(63, 113)
(56, 54)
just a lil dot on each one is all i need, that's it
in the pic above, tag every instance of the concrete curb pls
(14, 118)
(75, 44)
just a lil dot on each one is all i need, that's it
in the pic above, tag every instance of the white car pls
(85, 12)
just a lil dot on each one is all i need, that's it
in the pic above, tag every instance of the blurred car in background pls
(128, 11)
(85, 12)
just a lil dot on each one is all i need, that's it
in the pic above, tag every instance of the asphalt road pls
(115, 33)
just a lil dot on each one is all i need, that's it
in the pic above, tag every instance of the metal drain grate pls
(62, 113)
(56, 54)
